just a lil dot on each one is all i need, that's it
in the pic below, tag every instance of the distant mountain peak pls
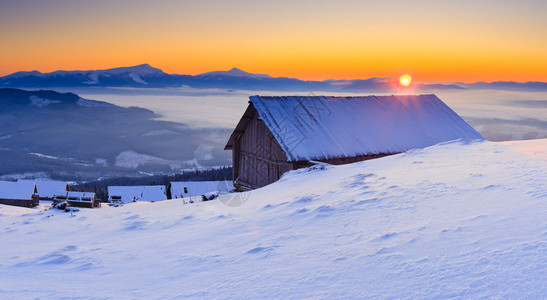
(235, 72)
(139, 75)
(143, 69)
(24, 74)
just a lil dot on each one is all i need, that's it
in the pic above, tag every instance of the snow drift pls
(460, 219)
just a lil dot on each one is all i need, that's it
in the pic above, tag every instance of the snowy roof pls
(76, 195)
(47, 188)
(140, 193)
(16, 190)
(320, 127)
(198, 188)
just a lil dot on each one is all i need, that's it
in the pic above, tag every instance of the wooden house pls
(22, 194)
(282, 133)
(77, 199)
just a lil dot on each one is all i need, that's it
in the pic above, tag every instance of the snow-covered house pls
(47, 189)
(127, 194)
(80, 199)
(282, 133)
(19, 193)
(189, 189)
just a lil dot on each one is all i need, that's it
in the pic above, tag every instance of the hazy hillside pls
(55, 133)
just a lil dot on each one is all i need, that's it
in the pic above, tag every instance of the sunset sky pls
(431, 40)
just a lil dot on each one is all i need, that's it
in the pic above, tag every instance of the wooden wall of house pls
(258, 159)
(34, 201)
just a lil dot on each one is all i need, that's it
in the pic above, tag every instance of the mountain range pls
(146, 76)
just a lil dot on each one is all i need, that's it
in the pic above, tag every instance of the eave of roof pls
(240, 127)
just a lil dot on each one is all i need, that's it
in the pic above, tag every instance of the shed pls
(127, 194)
(188, 189)
(47, 189)
(19, 194)
(79, 199)
(281, 133)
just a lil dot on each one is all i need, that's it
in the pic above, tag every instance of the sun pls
(405, 80)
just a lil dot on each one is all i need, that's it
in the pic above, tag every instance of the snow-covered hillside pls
(460, 219)
(55, 134)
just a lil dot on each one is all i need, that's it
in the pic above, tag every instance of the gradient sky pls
(431, 40)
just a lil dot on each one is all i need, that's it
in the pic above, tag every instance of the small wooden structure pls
(22, 194)
(77, 199)
(282, 133)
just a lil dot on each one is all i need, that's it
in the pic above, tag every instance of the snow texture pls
(44, 155)
(16, 190)
(182, 189)
(321, 127)
(137, 78)
(128, 194)
(534, 148)
(458, 220)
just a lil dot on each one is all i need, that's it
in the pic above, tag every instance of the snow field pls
(463, 219)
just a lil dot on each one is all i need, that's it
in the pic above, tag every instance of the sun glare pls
(405, 80)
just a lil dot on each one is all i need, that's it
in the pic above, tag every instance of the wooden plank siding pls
(257, 157)
(34, 201)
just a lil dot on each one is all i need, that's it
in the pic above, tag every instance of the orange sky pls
(431, 40)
